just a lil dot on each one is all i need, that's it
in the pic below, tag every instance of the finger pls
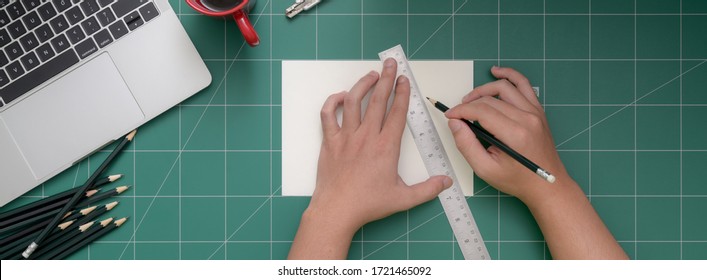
(352, 101)
(424, 191)
(475, 154)
(395, 122)
(509, 110)
(503, 89)
(330, 125)
(519, 80)
(491, 119)
(378, 103)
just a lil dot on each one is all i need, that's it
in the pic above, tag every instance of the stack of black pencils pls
(57, 226)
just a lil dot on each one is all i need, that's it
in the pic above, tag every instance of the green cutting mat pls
(623, 84)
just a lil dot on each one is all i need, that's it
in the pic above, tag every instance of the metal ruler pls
(437, 162)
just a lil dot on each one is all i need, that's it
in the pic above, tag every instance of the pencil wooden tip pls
(85, 211)
(121, 189)
(111, 205)
(432, 100)
(106, 222)
(120, 222)
(65, 225)
(85, 226)
(131, 135)
(91, 192)
(113, 178)
(67, 214)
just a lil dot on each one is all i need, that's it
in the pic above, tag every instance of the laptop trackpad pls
(73, 116)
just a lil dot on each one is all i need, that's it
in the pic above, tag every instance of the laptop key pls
(4, 80)
(149, 11)
(103, 38)
(31, 4)
(14, 50)
(15, 10)
(14, 70)
(3, 59)
(31, 20)
(89, 7)
(45, 52)
(90, 26)
(4, 18)
(44, 33)
(38, 76)
(61, 5)
(75, 34)
(118, 29)
(60, 43)
(47, 11)
(29, 42)
(4, 38)
(123, 7)
(86, 48)
(74, 15)
(59, 24)
(105, 3)
(105, 17)
(17, 29)
(29, 61)
(133, 20)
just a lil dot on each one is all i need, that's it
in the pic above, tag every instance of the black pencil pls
(66, 236)
(90, 238)
(102, 196)
(37, 215)
(486, 136)
(15, 248)
(50, 199)
(75, 199)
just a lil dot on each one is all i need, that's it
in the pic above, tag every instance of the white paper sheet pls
(307, 84)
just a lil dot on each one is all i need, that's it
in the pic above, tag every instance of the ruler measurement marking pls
(437, 162)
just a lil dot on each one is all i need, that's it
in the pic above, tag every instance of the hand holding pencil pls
(517, 119)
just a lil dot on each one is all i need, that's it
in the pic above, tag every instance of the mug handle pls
(246, 28)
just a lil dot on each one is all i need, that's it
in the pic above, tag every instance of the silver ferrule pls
(30, 249)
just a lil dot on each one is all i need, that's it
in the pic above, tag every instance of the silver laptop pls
(76, 75)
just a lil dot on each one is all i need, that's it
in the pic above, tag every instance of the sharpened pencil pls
(486, 136)
(75, 239)
(63, 239)
(59, 196)
(102, 196)
(15, 248)
(88, 238)
(36, 212)
(74, 200)
(38, 215)
(36, 228)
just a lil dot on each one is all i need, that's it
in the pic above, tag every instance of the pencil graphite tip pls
(111, 205)
(65, 225)
(131, 135)
(85, 211)
(120, 222)
(121, 189)
(85, 226)
(113, 178)
(106, 222)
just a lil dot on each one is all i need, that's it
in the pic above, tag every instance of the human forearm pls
(321, 237)
(571, 227)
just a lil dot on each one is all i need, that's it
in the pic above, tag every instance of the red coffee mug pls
(240, 14)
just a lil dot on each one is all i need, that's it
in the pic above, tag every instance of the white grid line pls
(635, 134)
(681, 144)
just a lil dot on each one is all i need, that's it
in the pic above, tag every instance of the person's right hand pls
(517, 119)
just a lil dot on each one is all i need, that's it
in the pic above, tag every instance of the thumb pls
(470, 147)
(425, 191)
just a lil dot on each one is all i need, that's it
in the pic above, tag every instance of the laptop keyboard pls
(41, 38)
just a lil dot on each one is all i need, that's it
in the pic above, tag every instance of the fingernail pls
(389, 62)
(373, 73)
(495, 67)
(402, 80)
(454, 125)
(466, 98)
(447, 182)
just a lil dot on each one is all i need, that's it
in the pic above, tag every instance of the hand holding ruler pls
(437, 162)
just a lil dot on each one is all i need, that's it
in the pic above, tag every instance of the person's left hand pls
(357, 176)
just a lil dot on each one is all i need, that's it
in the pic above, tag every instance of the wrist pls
(330, 221)
(544, 193)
